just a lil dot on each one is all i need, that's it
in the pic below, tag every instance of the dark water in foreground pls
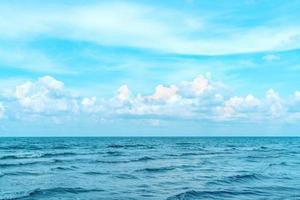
(149, 168)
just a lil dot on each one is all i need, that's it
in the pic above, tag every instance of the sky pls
(150, 68)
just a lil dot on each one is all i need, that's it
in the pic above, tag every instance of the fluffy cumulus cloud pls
(200, 85)
(251, 108)
(188, 99)
(123, 93)
(293, 108)
(297, 95)
(88, 104)
(164, 93)
(236, 107)
(198, 99)
(276, 107)
(46, 95)
(164, 101)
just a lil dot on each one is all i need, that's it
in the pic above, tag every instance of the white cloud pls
(164, 93)
(239, 107)
(89, 104)
(292, 108)
(23, 90)
(297, 95)
(250, 107)
(51, 83)
(123, 93)
(200, 85)
(185, 100)
(2, 110)
(271, 57)
(47, 95)
(276, 107)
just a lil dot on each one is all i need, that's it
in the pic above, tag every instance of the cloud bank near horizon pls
(199, 99)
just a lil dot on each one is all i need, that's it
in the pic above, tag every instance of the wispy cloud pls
(30, 60)
(144, 26)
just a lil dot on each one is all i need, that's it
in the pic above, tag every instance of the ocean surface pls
(149, 168)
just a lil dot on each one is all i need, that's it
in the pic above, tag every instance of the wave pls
(211, 194)
(114, 153)
(126, 176)
(144, 158)
(192, 194)
(64, 168)
(187, 143)
(112, 161)
(50, 155)
(95, 173)
(129, 146)
(7, 165)
(268, 149)
(21, 147)
(36, 162)
(19, 157)
(20, 174)
(278, 164)
(48, 192)
(9, 157)
(244, 178)
(21, 164)
(29, 156)
(158, 169)
(193, 154)
(62, 147)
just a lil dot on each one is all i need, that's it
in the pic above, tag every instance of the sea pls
(154, 168)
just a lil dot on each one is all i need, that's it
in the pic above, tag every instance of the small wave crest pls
(244, 178)
(144, 158)
(71, 168)
(192, 194)
(114, 153)
(7, 165)
(30, 156)
(47, 192)
(156, 170)
(118, 146)
(126, 176)
(8, 157)
(51, 155)
(211, 194)
(141, 159)
(92, 173)
(20, 174)
(278, 164)
(19, 157)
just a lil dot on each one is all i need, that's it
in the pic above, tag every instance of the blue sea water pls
(149, 168)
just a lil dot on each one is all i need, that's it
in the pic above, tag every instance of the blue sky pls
(149, 68)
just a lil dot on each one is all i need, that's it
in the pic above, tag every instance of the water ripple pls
(149, 168)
